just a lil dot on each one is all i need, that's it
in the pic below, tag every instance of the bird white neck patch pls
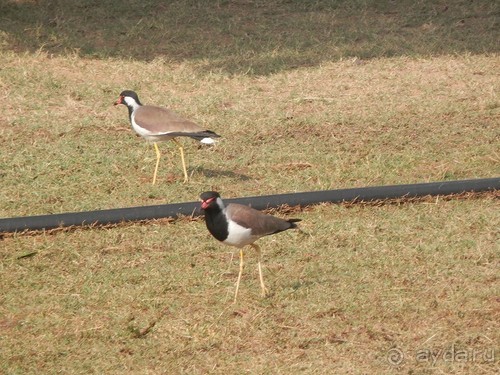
(131, 102)
(220, 203)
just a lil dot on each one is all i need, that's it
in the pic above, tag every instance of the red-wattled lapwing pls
(160, 124)
(239, 225)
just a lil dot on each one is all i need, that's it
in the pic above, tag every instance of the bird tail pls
(293, 221)
(201, 136)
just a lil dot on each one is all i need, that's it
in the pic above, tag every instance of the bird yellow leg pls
(158, 156)
(186, 179)
(239, 276)
(263, 288)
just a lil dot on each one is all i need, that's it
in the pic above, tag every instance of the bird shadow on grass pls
(219, 173)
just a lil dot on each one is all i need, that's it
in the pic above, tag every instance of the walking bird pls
(239, 225)
(157, 124)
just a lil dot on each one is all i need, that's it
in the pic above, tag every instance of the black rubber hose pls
(114, 216)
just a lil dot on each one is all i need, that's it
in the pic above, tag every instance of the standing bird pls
(239, 225)
(160, 124)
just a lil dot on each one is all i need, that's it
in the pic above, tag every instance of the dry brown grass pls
(363, 280)
(386, 121)
(391, 93)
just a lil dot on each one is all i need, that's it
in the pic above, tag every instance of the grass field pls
(307, 96)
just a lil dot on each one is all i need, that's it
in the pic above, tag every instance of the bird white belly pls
(207, 141)
(238, 236)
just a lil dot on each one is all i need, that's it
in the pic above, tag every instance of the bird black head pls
(130, 94)
(209, 199)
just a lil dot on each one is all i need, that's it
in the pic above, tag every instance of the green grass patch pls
(256, 37)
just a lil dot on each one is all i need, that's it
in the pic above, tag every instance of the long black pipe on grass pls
(365, 194)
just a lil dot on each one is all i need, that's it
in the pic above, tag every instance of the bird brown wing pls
(260, 223)
(161, 120)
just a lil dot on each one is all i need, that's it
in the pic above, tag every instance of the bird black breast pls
(130, 111)
(217, 224)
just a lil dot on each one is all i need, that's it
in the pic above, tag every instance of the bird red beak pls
(119, 101)
(205, 204)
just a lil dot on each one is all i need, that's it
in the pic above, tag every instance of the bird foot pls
(265, 292)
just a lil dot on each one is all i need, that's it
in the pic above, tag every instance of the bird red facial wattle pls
(119, 101)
